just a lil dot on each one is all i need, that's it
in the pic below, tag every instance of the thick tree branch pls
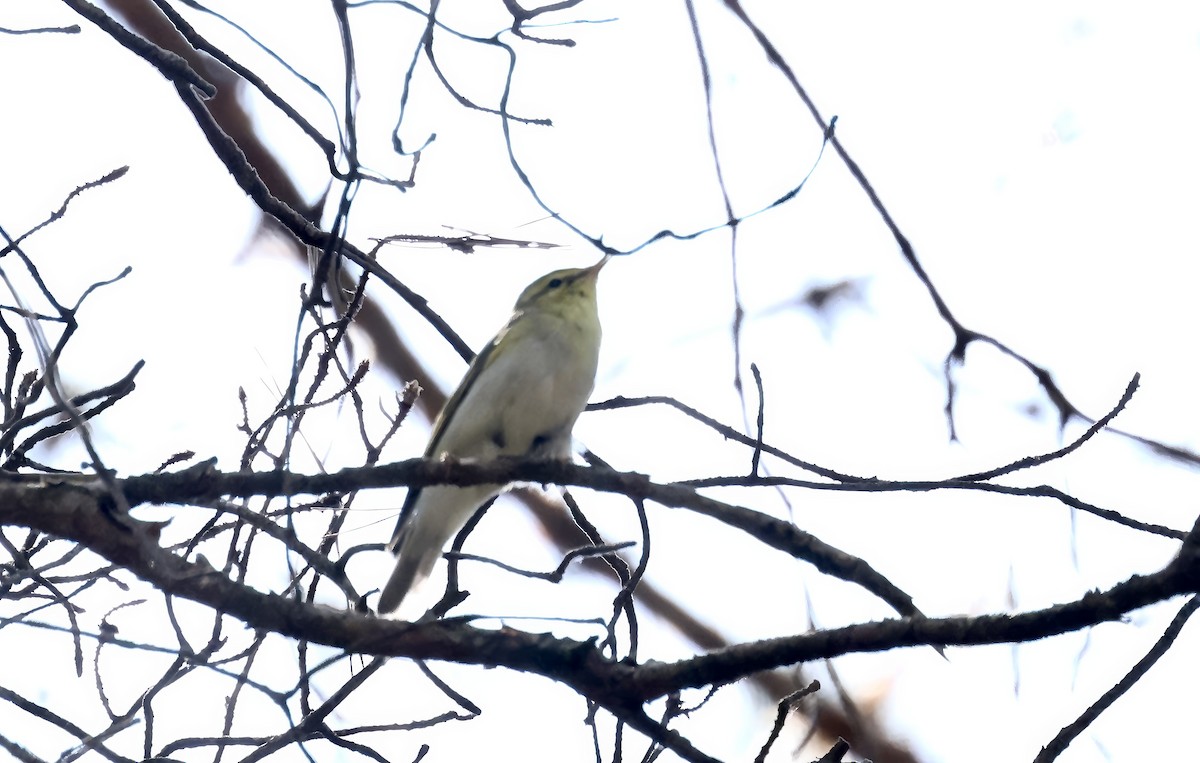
(204, 483)
(81, 511)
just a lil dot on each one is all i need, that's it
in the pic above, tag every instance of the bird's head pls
(561, 290)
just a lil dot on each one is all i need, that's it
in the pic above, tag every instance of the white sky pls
(1041, 159)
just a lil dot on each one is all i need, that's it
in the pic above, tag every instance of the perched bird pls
(520, 397)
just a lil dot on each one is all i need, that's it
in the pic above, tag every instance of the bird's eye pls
(554, 283)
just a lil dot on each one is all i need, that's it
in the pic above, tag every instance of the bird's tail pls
(438, 515)
(413, 563)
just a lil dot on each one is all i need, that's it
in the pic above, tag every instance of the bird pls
(520, 397)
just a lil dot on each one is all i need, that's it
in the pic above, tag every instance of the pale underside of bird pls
(521, 397)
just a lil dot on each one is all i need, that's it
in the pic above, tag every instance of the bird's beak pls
(594, 270)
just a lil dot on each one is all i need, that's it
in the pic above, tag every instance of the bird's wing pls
(482, 361)
(442, 426)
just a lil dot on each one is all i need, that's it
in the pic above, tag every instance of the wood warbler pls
(520, 397)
